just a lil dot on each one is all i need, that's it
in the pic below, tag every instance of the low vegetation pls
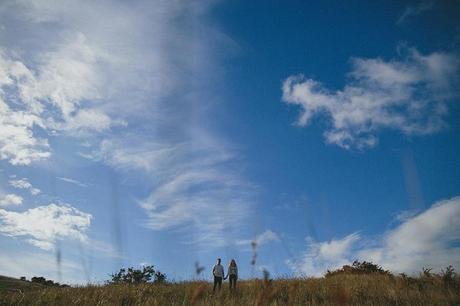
(137, 276)
(361, 283)
(359, 267)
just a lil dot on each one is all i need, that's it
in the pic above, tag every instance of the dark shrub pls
(137, 276)
(359, 267)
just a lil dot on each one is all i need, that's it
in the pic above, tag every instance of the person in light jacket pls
(218, 272)
(232, 274)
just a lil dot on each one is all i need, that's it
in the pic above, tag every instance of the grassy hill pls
(340, 289)
(14, 284)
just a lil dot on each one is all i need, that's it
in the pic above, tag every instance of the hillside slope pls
(14, 284)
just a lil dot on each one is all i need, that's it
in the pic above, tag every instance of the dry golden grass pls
(336, 290)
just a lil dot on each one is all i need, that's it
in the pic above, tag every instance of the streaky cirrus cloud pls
(72, 181)
(428, 239)
(409, 95)
(196, 188)
(42, 226)
(414, 10)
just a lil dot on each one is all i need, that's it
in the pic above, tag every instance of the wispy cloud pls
(429, 239)
(414, 10)
(72, 181)
(24, 184)
(139, 94)
(42, 226)
(195, 187)
(408, 95)
(261, 239)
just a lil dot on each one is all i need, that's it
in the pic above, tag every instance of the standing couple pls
(218, 272)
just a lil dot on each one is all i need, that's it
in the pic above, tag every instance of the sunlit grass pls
(335, 290)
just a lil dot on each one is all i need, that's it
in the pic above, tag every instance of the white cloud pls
(323, 256)
(407, 95)
(18, 144)
(425, 240)
(48, 99)
(21, 183)
(10, 199)
(43, 225)
(415, 10)
(261, 239)
(24, 184)
(91, 119)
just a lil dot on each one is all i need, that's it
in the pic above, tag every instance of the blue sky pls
(175, 132)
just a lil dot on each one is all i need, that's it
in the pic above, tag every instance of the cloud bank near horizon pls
(429, 239)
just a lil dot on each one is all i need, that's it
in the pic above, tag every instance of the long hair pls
(232, 263)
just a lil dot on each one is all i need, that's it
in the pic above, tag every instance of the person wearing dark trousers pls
(218, 273)
(232, 274)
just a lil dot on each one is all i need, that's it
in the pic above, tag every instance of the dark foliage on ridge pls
(137, 276)
(359, 267)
